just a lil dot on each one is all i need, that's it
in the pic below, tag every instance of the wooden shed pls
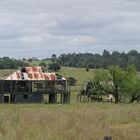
(31, 85)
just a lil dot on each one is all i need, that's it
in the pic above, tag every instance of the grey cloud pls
(42, 27)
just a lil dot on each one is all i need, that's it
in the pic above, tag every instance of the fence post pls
(107, 138)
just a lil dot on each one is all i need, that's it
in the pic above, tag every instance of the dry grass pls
(89, 121)
(86, 121)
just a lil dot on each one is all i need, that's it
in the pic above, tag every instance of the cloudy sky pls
(43, 27)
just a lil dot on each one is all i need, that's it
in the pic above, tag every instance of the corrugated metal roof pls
(33, 69)
(31, 73)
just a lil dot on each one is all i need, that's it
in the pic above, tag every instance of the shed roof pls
(31, 73)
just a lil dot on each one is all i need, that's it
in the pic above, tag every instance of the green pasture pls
(37, 62)
(5, 72)
(80, 74)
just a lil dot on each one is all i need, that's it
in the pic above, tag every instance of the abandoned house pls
(31, 85)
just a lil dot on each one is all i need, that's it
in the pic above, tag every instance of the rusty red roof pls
(31, 73)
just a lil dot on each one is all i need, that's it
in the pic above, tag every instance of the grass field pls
(37, 62)
(5, 72)
(80, 74)
(75, 121)
(88, 121)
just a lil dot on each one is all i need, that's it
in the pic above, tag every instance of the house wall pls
(1, 98)
(28, 98)
(33, 91)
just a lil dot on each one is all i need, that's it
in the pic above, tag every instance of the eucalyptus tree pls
(118, 82)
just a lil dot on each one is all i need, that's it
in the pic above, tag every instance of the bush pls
(54, 67)
(43, 64)
(72, 81)
(7, 63)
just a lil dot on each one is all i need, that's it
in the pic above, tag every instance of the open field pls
(75, 121)
(37, 62)
(5, 72)
(80, 74)
(89, 121)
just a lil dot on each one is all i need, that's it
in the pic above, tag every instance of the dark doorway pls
(52, 98)
(25, 96)
(6, 98)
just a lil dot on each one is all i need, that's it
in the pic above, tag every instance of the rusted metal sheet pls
(32, 73)
(13, 76)
(33, 69)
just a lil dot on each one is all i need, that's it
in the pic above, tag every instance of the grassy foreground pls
(88, 121)
(76, 121)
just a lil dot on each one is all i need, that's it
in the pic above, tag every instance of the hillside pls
(79, 73)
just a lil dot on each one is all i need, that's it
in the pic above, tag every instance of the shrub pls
(72, 81)
(54, 67)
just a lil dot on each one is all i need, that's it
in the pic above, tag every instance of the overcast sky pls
(41, 28)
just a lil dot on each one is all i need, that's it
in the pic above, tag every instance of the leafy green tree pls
(105, 60)
(133, 52)
(118, 82)
(54, 67)
(8, 63)
(53, 58)
(43, 64)
(130, 86)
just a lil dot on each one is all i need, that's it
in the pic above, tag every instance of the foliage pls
(43, 64)
(82, 60)
(72, 81)
(7, 63)
(53, 58)
(118, 82)
(54, 67)
(32, 59)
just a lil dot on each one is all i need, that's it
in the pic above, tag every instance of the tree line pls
(104, 60)
(81, 60)
(9, 63)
